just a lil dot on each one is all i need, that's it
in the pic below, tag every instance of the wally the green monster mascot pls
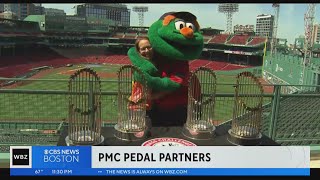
(175, 39)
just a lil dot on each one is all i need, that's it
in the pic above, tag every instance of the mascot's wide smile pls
(176, 37)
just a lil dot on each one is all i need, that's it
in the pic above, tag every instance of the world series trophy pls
(133, 93)
(247, 113)
(201, 101)
(84, 119)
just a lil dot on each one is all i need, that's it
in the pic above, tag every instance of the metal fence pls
(30, 115)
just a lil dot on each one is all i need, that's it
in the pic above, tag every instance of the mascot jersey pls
(175, 39)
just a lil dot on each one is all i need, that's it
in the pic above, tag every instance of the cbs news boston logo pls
(20, 157)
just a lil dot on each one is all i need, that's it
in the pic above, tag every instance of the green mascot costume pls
(175, 39)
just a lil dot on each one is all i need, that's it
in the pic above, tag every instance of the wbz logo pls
(20, 156)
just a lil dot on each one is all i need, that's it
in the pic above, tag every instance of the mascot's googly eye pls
(180, 24)
(190, 25)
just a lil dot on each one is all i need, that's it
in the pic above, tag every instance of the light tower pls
(275, 27)
(229, 9)
(308, 44)
(140, 10)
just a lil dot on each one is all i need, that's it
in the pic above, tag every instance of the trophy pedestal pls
(130, 131)
(201, 130)
(242, 138)
(84, 138)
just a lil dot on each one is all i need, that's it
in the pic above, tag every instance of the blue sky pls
(291, 18)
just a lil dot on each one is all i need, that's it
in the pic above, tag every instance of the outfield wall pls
(289, 69)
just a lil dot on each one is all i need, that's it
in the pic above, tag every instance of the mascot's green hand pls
(161, 84)
(157, 83)
(150, 71)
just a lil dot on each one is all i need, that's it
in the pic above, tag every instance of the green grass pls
(47, 107)
(63, 85)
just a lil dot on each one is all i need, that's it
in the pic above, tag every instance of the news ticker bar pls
(158, 160)
(162, 172)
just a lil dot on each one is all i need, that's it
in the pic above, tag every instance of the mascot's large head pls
(176, 35)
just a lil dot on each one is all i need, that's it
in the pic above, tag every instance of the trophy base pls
(199, 131)
(244, 141)
(84, 138)
(124, 133)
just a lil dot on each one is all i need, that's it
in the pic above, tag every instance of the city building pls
(8, 15)
(22, 10)
(243, 29)
(316, 34)
(38, 9)
(1, 7)
(264, 25)
(54, 12)
(117, 13)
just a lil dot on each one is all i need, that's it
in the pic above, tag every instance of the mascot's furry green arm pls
(150, 71)
(175, 36)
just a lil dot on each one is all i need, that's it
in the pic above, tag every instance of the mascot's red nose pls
(187, 32)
